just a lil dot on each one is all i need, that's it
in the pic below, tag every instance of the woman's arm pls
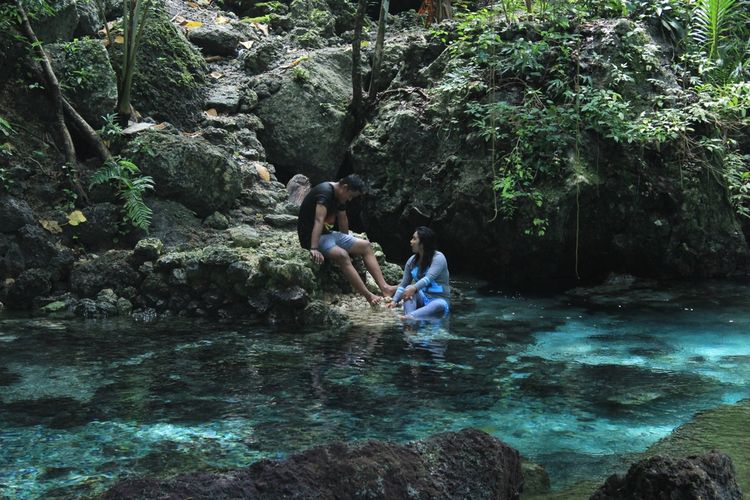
(438, 265)
(404, 281)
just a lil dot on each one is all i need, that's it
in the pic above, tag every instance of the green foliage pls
(5, 128)
(301, 75)
(721, 30)
(710, 23)
(264, 19)
(669, 16)
(111, 131)
(737, 177)
(516, 88)
(126, 178)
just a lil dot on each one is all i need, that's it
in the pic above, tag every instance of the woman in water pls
(424, 289)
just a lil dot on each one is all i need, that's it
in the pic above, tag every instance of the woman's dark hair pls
(429, 244)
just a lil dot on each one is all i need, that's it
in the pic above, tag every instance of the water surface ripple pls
(580, 383)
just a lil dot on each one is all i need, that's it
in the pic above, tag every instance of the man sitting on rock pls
(323, 207)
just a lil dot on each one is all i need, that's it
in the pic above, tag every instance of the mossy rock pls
(170, 73)
(86, 77)
(188, 169)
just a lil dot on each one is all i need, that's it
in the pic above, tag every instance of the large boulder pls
(709, 477)
(188, 170)
(600, 211)
(316, 92)
(56, 24)
(170, 73)
(86, 77)
(454, 465)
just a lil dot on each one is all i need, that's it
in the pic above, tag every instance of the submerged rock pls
(465, 464)
(707, 477)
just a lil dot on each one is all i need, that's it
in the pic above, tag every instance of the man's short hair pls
(354, 183)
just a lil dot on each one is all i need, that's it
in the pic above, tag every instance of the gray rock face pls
(86, 77)
(460, 465)
(281, 220)
(14, 214)
(215, 39)
(262, 55)
(29, 284)
(710, 477)
(189, 170)
(59, 25)
(316, 93)
(111, 270)
(90, 20)
(100, 228)
(169, 83)
(224, 99)
(298, 187)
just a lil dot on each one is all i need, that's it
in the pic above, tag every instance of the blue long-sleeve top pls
(434, 283)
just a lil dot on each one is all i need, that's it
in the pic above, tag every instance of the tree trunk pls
(53, 88)
(356, 106)
(378, 56)
(86, 132)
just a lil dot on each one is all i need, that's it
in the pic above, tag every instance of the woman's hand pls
(392, 304)
(409, 292)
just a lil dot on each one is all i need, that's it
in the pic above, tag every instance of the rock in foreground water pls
(464, 464)
(706, 477)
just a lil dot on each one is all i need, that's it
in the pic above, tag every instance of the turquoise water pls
(578, 383)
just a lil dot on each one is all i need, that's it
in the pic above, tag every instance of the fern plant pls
(130, 185)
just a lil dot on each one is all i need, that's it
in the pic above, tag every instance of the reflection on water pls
(577, 383)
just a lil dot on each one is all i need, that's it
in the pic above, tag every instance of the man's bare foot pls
(389, 290)
(374, 299)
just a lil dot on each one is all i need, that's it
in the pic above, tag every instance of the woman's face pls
(416, 245)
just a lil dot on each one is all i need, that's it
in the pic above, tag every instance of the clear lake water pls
(580, 383)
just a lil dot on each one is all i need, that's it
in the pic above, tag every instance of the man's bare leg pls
(342, 259)
(364, 248)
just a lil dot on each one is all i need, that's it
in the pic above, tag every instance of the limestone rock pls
(169, 83)
(86, 77)
(708, 476)
(147, 249)
(224, 99)
(216, 39)
(111, 270)
(244, 236)
(281, 220)
(460, 465)
(298, 187)
(314, 92)
(188, 170)
(57, 25)
(14, 213)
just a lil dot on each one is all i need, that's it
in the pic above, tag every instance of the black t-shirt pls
(320, 194)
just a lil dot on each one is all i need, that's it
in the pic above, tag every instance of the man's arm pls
(343, 220)
(317, 230)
